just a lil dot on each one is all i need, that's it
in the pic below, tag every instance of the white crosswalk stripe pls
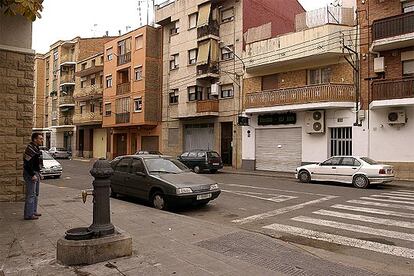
(408, 191)
(388, 200)
(398, 194)
(373, 211)
(342, 240)
(393, 197)
(380, 204)
(375, 220)
(356, 228)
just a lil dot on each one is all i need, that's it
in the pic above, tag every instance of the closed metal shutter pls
(271, 157)
(199, 137)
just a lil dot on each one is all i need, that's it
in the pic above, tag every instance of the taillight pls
(382, 171)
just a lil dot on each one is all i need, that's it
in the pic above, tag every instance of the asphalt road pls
(368, 228)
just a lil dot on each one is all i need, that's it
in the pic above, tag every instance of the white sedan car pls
(359, 171)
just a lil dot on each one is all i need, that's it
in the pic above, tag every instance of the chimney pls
(119, 32)
(106, 33)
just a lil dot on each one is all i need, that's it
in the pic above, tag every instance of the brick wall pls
(16, 110)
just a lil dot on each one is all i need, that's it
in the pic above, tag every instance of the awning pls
(215, 51)
(203, 52)
(203, 14)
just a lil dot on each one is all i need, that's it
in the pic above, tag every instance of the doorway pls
(120, 141)
(150, 143)
(227, 143)
(81, 142)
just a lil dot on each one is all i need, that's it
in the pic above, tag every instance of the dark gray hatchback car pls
(161, 180)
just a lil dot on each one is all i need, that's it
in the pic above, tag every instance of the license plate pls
(216, 164)
(205, 196)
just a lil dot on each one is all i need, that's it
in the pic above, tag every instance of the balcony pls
(301, 95)
(89, 118)
(208, 31)
(66, 101)
(393, 32)
(88, 92)
(123, 88)
(122, 118)
(208, 71)
(67, 59)
(66, 121)
(392, 92)
(124, 58)
(207, 106)
(67, 79)
(90, 70)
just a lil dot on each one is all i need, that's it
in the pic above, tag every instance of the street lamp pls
(239, 58)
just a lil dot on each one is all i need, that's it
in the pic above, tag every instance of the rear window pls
(60, 149)
(369, 160)
(213, 154)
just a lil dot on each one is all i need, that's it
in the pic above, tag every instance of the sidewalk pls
(164, 243)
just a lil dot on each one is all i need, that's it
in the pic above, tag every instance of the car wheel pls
(158, 201)
(304, 177)
(57, 176)
(360, 181)
(213, 170)
(197, 169)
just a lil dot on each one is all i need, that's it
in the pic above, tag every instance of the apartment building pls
(387, 80)
(202, 71)
(39, 96)
(299, 94)
(91, 138)
(132, 91)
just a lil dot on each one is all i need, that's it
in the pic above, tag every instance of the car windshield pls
(46, 156)
(369, 160)
(213, 154)
(162, 165)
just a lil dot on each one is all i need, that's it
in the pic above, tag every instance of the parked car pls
(201, 160)
(44, 148)
(140, 152)
(60, 153)
(161, 180)
(51, 167)
(359, 171)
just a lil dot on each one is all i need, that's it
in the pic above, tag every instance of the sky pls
(62, 20)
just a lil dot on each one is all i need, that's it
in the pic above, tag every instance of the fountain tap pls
(85, 194)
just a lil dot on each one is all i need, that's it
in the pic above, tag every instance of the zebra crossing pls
(387, 216)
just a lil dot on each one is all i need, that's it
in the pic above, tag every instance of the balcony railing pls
(67, 58)
(90, 70)
(301, 95)
(66, 100)
(65, 121)
(69, 78)
(85, 118)
(393, 26)
(124, 58)
(393, 89)
(123, 88)
(122, 118)
(208, 106)
(207, 69)
(210, 29)
(92, 91)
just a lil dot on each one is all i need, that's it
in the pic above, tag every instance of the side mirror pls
(141, 174)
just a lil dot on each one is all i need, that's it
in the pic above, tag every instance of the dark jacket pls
(32, 160)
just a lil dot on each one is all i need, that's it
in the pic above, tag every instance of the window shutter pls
(203, 15)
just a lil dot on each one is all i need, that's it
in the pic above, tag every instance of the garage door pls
(198, 137)
(278, 149)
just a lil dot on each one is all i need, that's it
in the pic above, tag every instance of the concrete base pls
(93, 251)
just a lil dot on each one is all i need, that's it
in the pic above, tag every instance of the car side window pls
(192, 154)
(327, 162)
(123, 165)
(347, 161)
(185, 154)
(332, 161)
(357, 163)
(137, 166)
(201, 154)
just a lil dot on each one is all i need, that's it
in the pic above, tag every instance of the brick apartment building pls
(132, 91)
(300, 94)
(387, 80)
(58, 86)
(202, 74)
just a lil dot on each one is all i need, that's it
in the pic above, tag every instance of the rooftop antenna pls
(94, 29)
(127, 28)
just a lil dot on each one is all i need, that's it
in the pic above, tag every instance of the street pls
(371, 227)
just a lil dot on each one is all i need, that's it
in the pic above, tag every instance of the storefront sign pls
(277, 119)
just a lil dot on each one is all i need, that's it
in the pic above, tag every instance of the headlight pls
(57, 167)
(214, 187)
(184, 191)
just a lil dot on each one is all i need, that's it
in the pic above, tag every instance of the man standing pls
(31, 174)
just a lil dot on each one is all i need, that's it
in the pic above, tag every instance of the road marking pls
(356, 228)
(373, 211)
(393, 197)
(281, 210)
(387, 200)
(337, 239)
(272, 189)
(362, 202)
(399, 194)
(389, 222)
(273, 198)
(408, 191)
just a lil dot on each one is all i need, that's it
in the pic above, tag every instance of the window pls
(138, 104)
(123, 165)
(175, 29)
(173, 96)
(227, 15)
(192, 20)
(93, 81)
(93, 62)
(82, 82)
(102, 59)
(192, 93)
(100, 107)
(137, 166)
(350, 161)
(332, 161)
(55, 55)
(319, 76)
(192, 154)
(192, 56)
(201, 154)
(226, 53)
(408, 6)
(107, 109)
(138, 73)
(109, 81)
(341, 141)
(109, 54)
(270, 82)
(139, 42)
(174, 64)
(173, 134)
(82, 106)
(227, 91)
(408, 67)
(209, 95)
(83, 66)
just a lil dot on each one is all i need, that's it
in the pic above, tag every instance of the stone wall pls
(16, 110)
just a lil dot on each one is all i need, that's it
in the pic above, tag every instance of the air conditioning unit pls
(215, 89)
(315, 121)
(397, 117)
(379, 66)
